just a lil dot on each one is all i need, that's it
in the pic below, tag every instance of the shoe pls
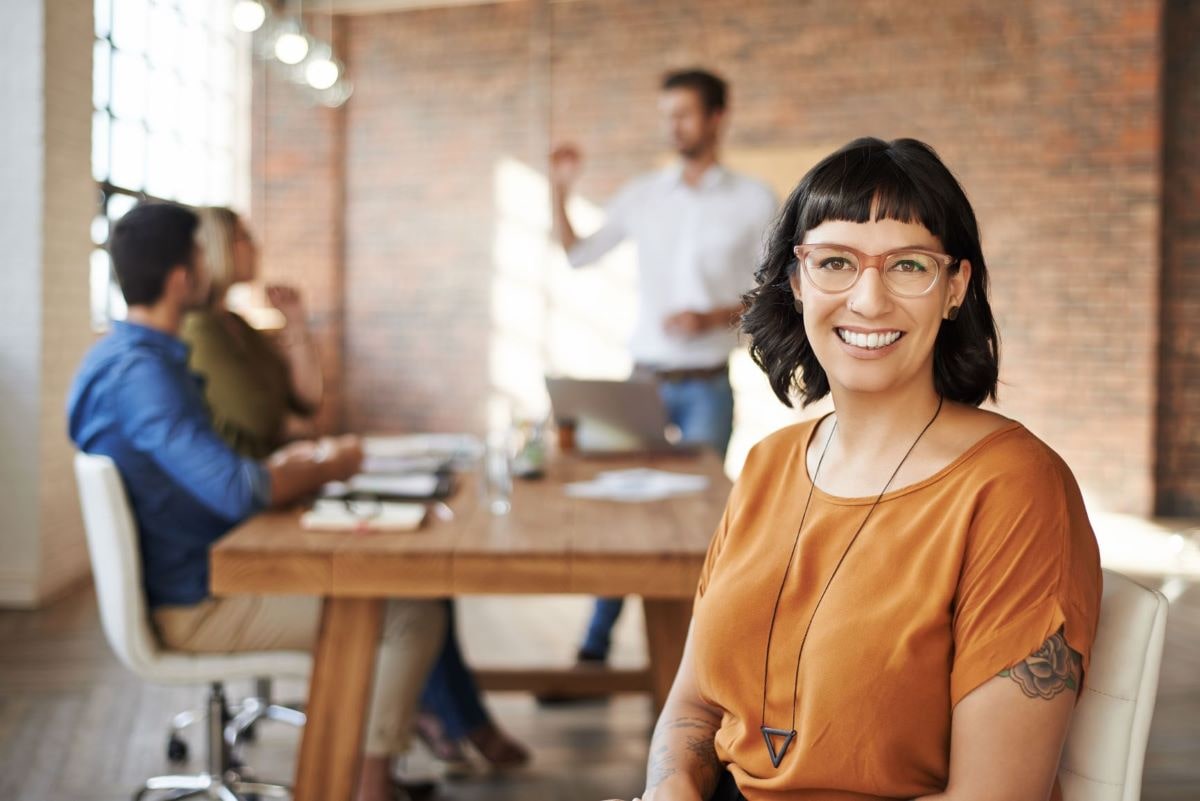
(501, 751)
(413, 791)
(409, 783)
(590, 658)
(442, 747)
(584, 660)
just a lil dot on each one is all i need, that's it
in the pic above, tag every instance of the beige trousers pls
(412, 636)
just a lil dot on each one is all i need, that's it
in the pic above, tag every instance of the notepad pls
(328, 515)
(415, 485)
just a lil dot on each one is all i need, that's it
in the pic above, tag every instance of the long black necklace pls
(786, 736)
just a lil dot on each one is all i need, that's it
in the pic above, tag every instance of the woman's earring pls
(799, 306)
(952, 313)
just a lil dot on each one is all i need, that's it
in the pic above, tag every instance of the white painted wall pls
(21, 160)
(46, 204)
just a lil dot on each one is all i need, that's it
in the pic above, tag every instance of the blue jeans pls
(703, 410)
(451, 692)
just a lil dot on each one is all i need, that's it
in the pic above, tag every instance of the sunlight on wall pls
(546, 317)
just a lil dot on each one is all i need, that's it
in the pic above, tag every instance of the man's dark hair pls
(146, 244)
(869, 179)
(711, 89)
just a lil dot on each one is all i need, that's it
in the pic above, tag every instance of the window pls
(169, 100)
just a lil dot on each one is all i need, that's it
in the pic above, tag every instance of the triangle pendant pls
(787, 735)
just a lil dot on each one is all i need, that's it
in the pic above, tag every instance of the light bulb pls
(291, 47)
(248, 15)
(322, 72)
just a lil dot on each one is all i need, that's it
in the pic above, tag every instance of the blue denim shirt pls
(135, 401)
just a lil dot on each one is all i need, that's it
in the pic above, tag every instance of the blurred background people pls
(698, 227)
(262, 393)
(135, 400)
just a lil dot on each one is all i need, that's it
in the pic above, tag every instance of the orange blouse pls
(953, 579)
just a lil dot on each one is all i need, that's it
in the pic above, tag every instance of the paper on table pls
(417, 485)
(458, 447)
(420, 453)
(637, 484)
(397, 465)
(329, 515)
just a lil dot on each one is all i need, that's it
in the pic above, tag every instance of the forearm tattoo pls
(1052, 669)
(676, 739)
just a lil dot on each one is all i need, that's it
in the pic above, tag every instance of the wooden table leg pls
(339, 691)
(666, 632)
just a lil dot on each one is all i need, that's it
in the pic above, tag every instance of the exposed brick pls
(1178, 466)
(1049, 111)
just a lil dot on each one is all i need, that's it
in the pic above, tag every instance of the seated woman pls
(901, 597)
(262, 393)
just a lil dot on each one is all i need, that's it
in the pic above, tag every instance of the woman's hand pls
(287, 300)
(298, 348)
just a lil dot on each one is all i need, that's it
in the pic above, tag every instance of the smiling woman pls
(901, 183)
(876, 609)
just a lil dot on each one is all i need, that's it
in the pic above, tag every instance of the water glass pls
(496, 475)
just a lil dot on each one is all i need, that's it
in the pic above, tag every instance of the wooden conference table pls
(548, 543)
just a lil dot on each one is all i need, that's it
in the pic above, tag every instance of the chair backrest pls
(116, 561)
(1106, 746)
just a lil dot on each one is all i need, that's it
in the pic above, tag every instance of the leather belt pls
(681, 374)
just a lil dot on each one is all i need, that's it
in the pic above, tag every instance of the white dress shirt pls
(698, 248)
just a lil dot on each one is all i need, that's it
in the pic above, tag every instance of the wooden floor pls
(76, 726)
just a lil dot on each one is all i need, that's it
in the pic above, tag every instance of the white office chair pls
(117, 570)
(1106, 746)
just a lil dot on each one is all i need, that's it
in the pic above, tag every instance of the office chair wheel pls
(177, 750)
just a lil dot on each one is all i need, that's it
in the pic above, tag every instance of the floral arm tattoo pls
(1050, 670)
(684, 744)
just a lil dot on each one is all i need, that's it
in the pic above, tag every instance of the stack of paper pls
(637, 484)
(327, 515)
(416, 485)
(419, 452)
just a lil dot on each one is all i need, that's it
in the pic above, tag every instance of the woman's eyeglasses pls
(906, 272)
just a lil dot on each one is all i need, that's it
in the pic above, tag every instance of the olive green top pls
(246, 380)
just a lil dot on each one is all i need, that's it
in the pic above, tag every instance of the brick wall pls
(1179, 382)
(296, 211)
(1048, 111)
(441, 97)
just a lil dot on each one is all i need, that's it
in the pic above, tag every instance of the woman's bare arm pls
(1007, 735)
(683, 764)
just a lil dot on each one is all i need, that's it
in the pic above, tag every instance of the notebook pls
(331, 515)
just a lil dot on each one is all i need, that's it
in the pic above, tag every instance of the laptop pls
(614, 416)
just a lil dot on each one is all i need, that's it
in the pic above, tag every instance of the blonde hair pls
(217, 235)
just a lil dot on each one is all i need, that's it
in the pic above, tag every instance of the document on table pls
(637, 484)
(328, 515)
(419, 452)
(415, 485)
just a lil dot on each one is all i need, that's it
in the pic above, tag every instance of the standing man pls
(699, 229)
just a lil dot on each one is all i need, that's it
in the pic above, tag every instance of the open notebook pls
(336, 515)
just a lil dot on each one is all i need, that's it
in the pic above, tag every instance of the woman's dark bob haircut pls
(900, 180)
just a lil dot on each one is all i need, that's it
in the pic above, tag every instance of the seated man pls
(134, 401)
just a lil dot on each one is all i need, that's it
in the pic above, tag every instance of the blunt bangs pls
(873, 180)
